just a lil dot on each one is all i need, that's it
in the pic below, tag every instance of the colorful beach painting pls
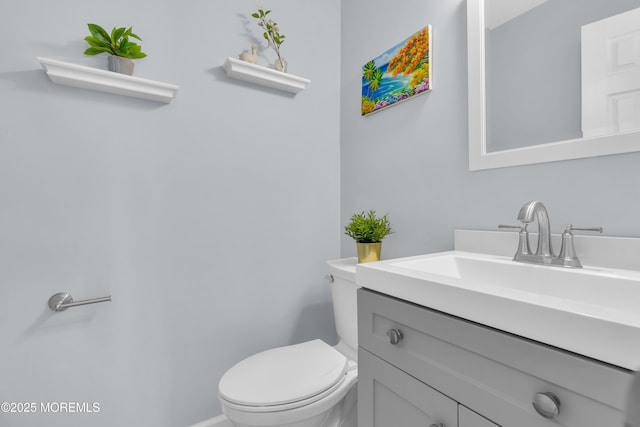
(398, 74)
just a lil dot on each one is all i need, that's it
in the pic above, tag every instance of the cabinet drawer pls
(489, 371)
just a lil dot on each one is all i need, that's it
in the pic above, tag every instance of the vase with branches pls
(272, 35)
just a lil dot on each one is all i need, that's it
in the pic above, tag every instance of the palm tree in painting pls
(374, 84)
(373, 76)
(368, 70)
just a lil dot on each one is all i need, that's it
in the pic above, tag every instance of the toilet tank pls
(345, 307)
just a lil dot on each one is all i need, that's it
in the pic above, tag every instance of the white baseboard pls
(219, 421)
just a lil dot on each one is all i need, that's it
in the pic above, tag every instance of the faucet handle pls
(569, 228)
(567, 250)
(519, 227)
(523, 238)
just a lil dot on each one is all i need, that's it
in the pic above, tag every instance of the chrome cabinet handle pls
(546, 404)
(394, 335)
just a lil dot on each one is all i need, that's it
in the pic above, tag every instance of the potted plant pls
(117, 44)
(368, 230)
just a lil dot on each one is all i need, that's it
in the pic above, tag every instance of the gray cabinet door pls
(468, 418)
(389, 397)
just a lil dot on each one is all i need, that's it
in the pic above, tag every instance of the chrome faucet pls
(536, 210)
(532, 211)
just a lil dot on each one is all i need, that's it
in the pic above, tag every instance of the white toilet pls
(304, 385)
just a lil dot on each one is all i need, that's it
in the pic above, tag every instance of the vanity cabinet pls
(418, 366)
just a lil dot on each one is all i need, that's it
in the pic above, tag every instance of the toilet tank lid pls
(344, 268)
(283, 375)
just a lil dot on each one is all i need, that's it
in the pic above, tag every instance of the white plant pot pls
(120, 65)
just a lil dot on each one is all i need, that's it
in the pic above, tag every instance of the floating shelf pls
(80, 76)
(264, 76)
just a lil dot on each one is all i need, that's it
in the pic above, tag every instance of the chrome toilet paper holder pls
(63, 300)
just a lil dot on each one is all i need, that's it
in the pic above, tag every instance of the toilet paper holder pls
(63, 300)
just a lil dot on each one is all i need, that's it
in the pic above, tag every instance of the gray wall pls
(411, 160)
(208, 220)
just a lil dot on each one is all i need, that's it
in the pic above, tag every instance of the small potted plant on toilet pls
(368, 230)
(118, 45)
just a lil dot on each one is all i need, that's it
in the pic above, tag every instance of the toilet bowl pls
(310, 384)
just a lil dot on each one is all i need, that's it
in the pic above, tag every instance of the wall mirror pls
(552, 80)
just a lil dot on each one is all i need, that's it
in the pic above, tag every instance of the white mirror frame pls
(480, 159)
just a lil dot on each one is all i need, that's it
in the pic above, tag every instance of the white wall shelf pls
(68, 74)
(264, 76)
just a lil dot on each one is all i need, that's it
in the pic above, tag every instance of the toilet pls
(311, 384)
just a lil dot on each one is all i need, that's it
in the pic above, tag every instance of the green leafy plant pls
(271, 31)
(117, 43)
(368, 228)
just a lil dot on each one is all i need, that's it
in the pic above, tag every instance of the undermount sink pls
(593, 311)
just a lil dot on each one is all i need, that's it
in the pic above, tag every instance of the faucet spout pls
(531, 212)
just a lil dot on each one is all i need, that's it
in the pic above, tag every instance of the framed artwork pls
(398, 74)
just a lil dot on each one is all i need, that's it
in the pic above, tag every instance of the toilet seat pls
(284, 378)
(310, 415)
